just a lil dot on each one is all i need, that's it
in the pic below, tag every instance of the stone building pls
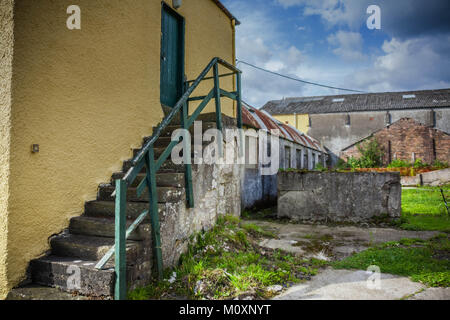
(340, 121)
(407, 140)
(296, 150)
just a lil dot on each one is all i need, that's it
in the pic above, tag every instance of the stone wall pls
(433, 178)
(409, 140)
(217, 192)
(338, 197)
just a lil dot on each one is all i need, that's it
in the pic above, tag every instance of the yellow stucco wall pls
(6, 57)
(301, 123)
(87, 97)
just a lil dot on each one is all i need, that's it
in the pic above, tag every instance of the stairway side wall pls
(87, 97)
(217, 192)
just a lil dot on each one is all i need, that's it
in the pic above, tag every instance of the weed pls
(225, 263)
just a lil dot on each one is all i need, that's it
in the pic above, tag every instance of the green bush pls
(371, 155)
(399, 164)
(440, 165)
(320, 167)
(419, 164)
(342, 165)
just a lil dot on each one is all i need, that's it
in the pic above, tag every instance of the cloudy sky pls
(327, 41)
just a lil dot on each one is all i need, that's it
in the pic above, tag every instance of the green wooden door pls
(172, 56)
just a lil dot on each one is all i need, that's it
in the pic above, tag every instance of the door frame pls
(182, 71)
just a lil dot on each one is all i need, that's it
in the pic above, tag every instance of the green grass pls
(424, 200)
(227, 262)
(422, 261)
(424, 209)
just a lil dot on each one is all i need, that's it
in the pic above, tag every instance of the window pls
(305, 161)
(287, 157)
(251, 152)
(339, 100)
(298, 159)
(409, 96)
(309, 122)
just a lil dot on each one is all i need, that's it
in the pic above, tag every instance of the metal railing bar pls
(174, 111)
(200, 108)
(165, 155)
(212, 78)
(130, 230)
(133, 173)
(227, 94)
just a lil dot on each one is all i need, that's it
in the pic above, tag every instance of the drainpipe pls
(233, 28)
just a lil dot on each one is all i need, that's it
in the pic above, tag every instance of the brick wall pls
(405, 137)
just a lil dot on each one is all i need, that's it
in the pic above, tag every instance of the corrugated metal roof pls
(261, 120)
(361, 102)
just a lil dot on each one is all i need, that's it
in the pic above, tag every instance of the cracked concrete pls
(335, 243)
(352, 285)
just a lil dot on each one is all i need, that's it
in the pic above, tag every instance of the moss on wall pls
(87, 97)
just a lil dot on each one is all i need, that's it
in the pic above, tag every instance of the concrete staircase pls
(76, 251)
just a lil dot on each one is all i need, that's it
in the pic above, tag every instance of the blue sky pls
(327, 41)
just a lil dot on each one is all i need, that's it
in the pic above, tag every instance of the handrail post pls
(187, 158)
(154, 214)
(120, 292)
(218, 107)
(239, 112)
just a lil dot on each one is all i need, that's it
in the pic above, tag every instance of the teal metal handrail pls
(146, 159)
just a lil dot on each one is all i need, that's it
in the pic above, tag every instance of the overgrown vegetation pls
(418, 164)
(226, 263)
(371, 155)
(423, 261)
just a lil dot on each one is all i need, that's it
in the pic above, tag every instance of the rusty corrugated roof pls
(261, 120)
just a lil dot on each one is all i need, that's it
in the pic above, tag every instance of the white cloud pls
(407, 65)
(349, 45)
(402, 63)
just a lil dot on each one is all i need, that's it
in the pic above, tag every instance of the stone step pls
(165, 194)
(54, 271)
(35, 292)
(168, 179)
(105, 227)
(167, 132)
(106, 209)
(90, 248)
(167, 167)
(159, 152)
